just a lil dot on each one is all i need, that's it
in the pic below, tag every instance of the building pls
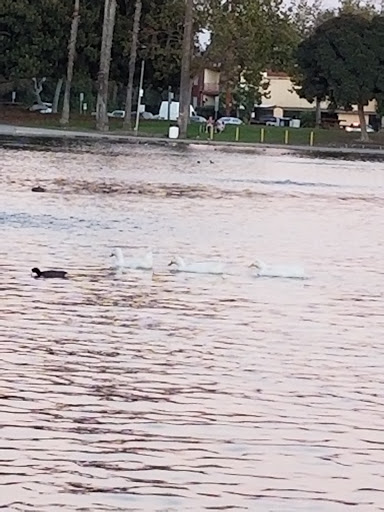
(283, 101)
(280, 100)
(205, 87)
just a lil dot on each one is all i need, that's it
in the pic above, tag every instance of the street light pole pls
(139, 97)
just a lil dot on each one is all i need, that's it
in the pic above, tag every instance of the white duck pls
(145, 263)
(201, 267)
(285, 271)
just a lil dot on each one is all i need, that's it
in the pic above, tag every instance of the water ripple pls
(172, 392)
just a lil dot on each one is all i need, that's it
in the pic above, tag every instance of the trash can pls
(173, 132)
(294, 123)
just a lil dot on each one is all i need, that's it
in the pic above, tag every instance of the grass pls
(245, 133)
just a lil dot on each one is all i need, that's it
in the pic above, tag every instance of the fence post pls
(262, 135)
(237, 134)
(286, 137)
(311, 138)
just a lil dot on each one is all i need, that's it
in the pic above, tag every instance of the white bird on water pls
(144, 263)
(284, 271)
(200, 267)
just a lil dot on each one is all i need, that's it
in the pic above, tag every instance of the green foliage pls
(308, 119)
(305, 16)
(309, 78)
(376, 43)
(247, 37)
(32, 39)
(366, 10)
(344, 59)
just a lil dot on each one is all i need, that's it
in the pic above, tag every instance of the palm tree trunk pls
(132, 63)
(185, 78)
(105, 62)
(363, 125)
(71, 60)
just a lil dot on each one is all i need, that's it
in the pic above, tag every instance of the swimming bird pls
(38, 189)
(201, 267)
(58, 274)
(284, 271)
(145, 263)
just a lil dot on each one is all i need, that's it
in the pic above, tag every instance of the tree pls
(248, 36)
(34, 42)
(71, 60)
(366, 10)
(310, 82)
(305, 16)
(185, 75)
(344, 65)
(132, 62)
(376, 42)
(32, 37)
(105, 62)
(162, 35)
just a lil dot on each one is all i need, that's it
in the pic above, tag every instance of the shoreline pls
(8, 130)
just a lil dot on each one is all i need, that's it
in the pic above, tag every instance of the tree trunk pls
(105, 62)
(318, 113)
(71, 60)
(38, 88)
(363, 125)
(132, 63)
(55, 103)
(185, 78)
(113, 94)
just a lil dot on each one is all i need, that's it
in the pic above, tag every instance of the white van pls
(174, 110)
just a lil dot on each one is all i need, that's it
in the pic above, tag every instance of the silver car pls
(230, 120)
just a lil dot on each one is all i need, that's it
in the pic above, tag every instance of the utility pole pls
(105, 62)
(185, 76)
(132, 63)
(71, 60)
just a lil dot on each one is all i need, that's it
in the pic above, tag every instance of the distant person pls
(210, 124)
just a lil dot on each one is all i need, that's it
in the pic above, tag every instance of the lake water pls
(176, 392)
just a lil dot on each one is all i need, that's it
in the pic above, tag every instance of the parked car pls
(264, 120)
(230, 120)
(197, 119)
(272, 121)
(117, 113)
(43, 108)
(147, 115)
(355, 127)
(47, 110)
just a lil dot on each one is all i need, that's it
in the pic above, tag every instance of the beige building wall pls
(211, 81)
(211, 76)
(282, 95)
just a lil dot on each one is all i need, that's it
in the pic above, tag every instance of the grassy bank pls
(245, 133)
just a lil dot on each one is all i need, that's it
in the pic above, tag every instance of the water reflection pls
(184, 392)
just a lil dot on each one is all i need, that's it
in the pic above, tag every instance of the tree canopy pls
(343, 60)
(34, 37)
(247, 37)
